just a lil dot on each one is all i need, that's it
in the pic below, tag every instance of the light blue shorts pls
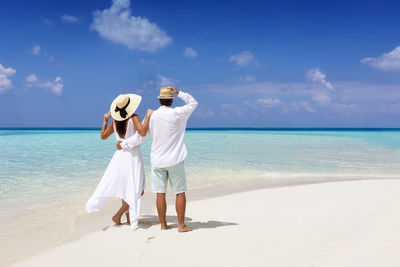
(175, 175)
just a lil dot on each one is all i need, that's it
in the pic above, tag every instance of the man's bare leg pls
(117, 217)
(162, 210)
(180, 206)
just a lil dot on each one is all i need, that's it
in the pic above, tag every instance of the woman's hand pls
(107, 116)
(149, 112)
(106, 131)
(119, 147)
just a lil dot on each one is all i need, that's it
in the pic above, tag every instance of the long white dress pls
(124, 178)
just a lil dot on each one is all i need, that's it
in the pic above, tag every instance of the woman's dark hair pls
(166, 102)
(121, 127)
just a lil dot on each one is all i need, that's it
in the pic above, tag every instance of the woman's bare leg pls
(128, 219)
(117, 217)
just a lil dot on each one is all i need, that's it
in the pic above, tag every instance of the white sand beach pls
(353, 223)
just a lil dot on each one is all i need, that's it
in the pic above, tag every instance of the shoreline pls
(369, 196)
(84, 223)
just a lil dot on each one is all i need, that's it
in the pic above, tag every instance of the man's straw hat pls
(124, 106)
(166, 93)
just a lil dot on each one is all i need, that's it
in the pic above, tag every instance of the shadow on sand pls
(148, 221)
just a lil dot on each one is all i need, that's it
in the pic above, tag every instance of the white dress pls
(124, 178)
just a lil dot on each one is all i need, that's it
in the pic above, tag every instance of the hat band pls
(122, 111)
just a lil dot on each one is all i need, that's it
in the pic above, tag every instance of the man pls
(168, 151)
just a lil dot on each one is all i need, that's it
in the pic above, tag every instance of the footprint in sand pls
(150, 238)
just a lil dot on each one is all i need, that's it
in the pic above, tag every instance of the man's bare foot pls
(164, 227)
(184, 228)
(116, 219)
(128, 220)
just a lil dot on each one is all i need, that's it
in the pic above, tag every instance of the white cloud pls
(297, 97)
(229, 110)
(317, 76)
(244, 59)
(247, 78)
(321, 98)
(5, 74)
(32, 78)
(203, 112)
(269, 102)
(7, 71)
(118, 25)
(56, 86)
(5, 83)
(387, 62)
(266, 103)
(165, 81)
(159, 81)
(35, 50)
(307, 106)
(69, 19)
(190, 52)
(250, 104)
(262, 106)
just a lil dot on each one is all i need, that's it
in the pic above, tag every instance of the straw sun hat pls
(124, 106)
(166, 93)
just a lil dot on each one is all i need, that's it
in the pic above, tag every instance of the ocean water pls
(38, 166)
(51, 173)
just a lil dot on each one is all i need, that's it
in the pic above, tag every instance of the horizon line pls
(229, 128)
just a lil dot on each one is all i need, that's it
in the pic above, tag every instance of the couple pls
(124, 177)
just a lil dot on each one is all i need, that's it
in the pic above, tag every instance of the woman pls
(124, 177)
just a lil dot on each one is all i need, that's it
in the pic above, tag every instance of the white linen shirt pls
(167, 129)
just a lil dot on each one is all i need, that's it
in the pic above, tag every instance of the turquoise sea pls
(51, 173)
(38, 166)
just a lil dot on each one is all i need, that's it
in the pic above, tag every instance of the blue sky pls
(248, 63)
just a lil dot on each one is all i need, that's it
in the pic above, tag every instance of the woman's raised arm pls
(106, 131)
(142, 128)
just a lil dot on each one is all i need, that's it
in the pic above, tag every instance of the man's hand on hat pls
(174, 90)
(107, 116)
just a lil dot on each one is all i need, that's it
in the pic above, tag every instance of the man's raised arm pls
(191, 104)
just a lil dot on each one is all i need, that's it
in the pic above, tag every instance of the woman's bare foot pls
(164, 227)
(128, 220)
(116, 219)
(184, 228)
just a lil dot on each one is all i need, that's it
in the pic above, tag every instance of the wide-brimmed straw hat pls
(166, 93)
(124, 106)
